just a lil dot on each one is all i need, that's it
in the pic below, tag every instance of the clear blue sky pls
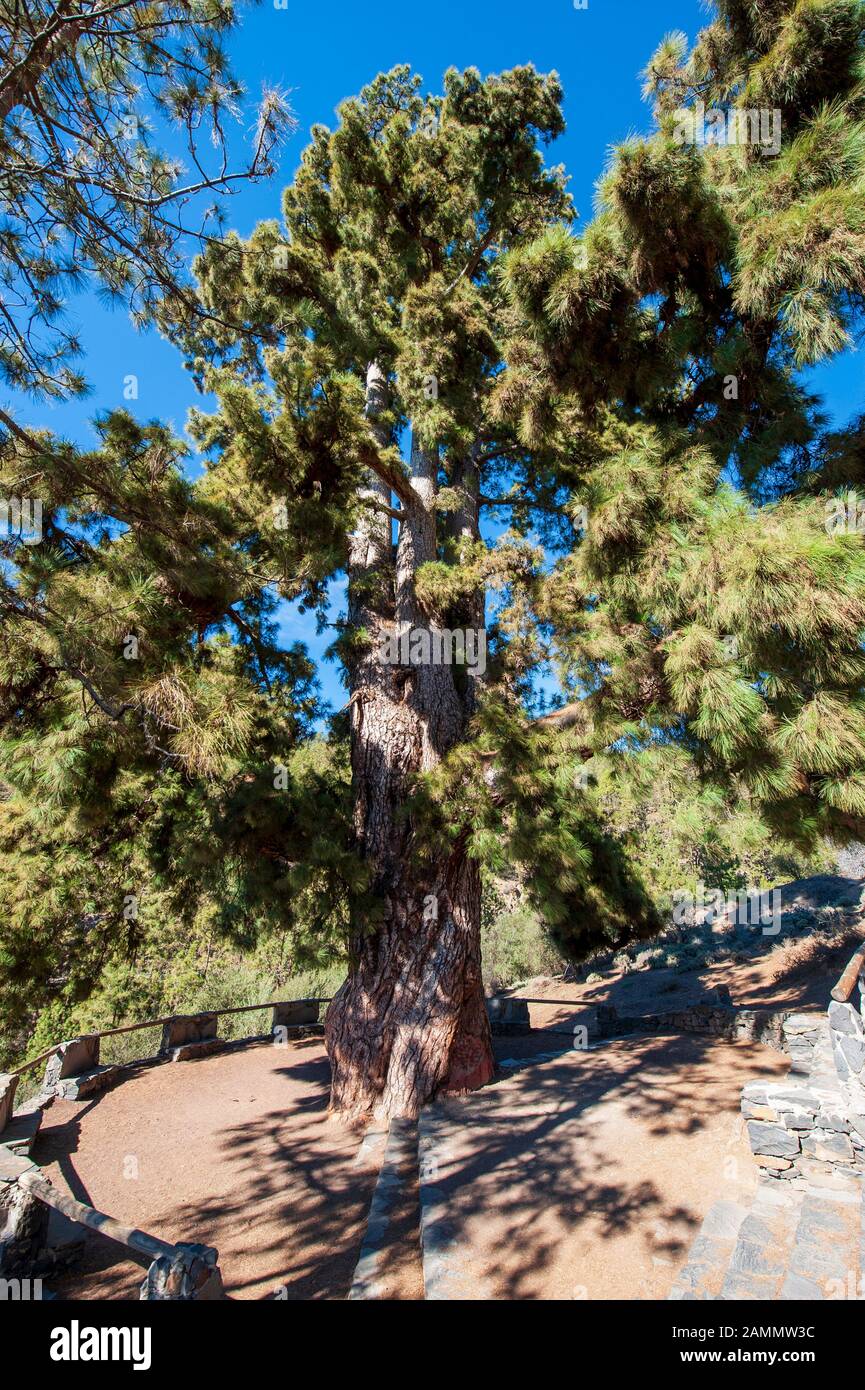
(323, 53)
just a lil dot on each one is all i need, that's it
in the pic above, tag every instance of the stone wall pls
(8, 1087)
(847, 1031)
(718, 1020)
(508, 1015)
(811, 1127)
(23, 1220)
(74, 1071)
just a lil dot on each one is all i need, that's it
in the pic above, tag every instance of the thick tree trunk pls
(410, 1019)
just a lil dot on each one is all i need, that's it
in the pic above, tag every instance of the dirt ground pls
(798, 976)
(587, 1170)
(586, 1176)
(575, 1175)
(235, 1151)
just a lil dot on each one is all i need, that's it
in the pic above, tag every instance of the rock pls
(8, 1085)
(189, 1274)
(778, 1165)
(797, 1096)
(797, 1119)
(772, 1139)
(23, 1224)
(829, 1147)
(841, 1064)
(188, 1052)
(797, 1024)
(755, 1091)
(822, 1178)
(843, 1018)
(508, 1015)
(853, 1050)
(759, 1112)
(834, 1122)
(20, 1134)
(177, 1032)
(72, 1058)
(293, 1013)
(796, 1288)
(89, 1083)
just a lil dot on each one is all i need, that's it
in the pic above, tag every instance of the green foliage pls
(88, 195)
(516, 947)
(626, 398)
(708, 604)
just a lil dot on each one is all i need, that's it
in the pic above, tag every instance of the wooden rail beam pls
(847, 983)
(150, 1247)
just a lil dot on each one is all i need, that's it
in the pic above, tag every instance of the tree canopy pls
(90, 95)
(615, 467)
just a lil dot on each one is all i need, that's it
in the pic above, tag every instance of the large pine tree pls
(651, 421)
(627, 399)
(383, 289)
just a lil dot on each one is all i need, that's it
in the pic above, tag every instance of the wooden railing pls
(160, 1023)
(847, 983)
(180, 1272)
(137, 1242)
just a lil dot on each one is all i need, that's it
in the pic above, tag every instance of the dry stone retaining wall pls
(811, 1127)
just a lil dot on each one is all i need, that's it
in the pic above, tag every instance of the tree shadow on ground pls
(554, 1162)
(584, 1149)
(288, 1202)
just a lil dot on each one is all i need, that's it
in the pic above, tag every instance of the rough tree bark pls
(410, 1020)
(22, 77)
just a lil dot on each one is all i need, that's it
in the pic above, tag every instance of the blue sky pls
(323, 53)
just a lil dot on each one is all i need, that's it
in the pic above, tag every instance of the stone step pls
(700, 1278)
(19, 1136)
(826, 1259)
(759, 1259)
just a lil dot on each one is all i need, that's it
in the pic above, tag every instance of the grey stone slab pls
(853, 1050)
(844, 1018)
(755, 1257)
(766, 1138)
(723, 1220)
(798, 1024)
(741, 1284)
(19, 1136)
(8, 1086)
(72, 1058)
(797, 1288)
(828, 1145)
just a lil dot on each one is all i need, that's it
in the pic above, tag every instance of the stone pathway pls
(788, 1244)
(803, 1235)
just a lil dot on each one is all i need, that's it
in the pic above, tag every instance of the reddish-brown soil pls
(586, 1176)
(582, 1175)
(798, 975)
(235, 1150)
